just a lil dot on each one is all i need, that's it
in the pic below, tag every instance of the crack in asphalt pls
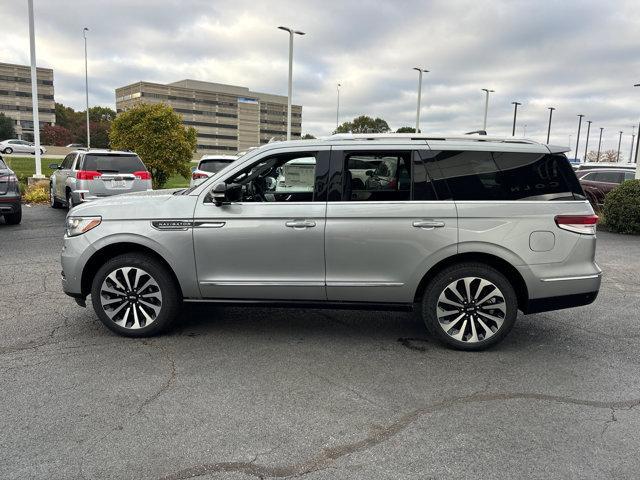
(328, 456)
(170, 379)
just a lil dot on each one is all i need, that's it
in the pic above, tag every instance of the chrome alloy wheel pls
(471, 309)
(131, 297)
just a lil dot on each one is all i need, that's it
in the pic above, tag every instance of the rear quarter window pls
(479, 175)
(113, 163)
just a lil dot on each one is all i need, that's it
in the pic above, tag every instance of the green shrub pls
(36, 194)
(622, 208)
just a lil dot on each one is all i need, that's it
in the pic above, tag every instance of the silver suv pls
(465, 230)
(86, 175)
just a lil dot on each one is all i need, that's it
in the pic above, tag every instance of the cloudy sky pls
(579, 56)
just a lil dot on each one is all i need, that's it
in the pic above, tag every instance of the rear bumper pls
(537, 305)
(10, 204)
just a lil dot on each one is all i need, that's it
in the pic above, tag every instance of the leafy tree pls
(6, 127)
(68, 118)
(307, 136)
(406, 130)
(100, 114)
(55, 135)
(364, 124)
(156, 133)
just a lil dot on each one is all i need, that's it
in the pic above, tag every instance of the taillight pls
(198, 176)
(87, 175)
(584, 224)
(142, 175)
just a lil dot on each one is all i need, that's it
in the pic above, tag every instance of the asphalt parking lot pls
(259, 393)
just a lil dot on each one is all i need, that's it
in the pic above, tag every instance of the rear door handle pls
(428, 224)
(299, 224)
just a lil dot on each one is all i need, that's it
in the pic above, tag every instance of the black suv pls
(10, 198)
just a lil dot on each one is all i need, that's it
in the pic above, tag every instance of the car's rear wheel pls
(8, 150)
(52, 198)
(134, 295)
(469, 306)
(13, 218)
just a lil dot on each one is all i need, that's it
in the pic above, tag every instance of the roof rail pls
(426, 137)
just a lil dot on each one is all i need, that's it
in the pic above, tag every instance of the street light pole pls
(86, 83)
(338, 107)
(420, 71)
(515, 114)
(586, 144)
(34, 92)
(486, 107)
(637, 143)
(633, 136)
(619, 143)
(578, 139)
(291, 33)
(599, 144)
(551, 109)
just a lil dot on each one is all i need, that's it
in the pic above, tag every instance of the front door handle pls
(300, 224)
(428, 224)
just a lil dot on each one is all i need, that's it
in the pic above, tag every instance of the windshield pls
(113, 163)
(213, 166)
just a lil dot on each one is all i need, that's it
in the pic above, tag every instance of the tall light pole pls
(633, 136)
(86, 83)
(34, 92)
(599, 144)
(420, 72)
(338, 106)
(486, 107)
(291, 33)
(619, 143)
(515, 114)
(578, 139)
(637, 143)
(586, 144)
(551, 109)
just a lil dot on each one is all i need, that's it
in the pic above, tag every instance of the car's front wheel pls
(134, 295)
(469, 306)
(52, 198)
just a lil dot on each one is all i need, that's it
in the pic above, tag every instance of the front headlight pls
(79, 225)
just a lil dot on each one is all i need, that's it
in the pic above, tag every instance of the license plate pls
(117, 184)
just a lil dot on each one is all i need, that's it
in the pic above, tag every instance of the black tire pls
(471, 337)
(8, 150)
(55, 203)
(69, 198)
(13, 218)
(168, 307)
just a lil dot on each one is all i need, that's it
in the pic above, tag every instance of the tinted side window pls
(68, 161)
(629, 175)
(423, 188)
(377, 176)
(609, 177)
(508, 176)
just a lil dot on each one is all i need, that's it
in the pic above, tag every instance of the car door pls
(382, 237)
(269, 245)
(62, 174)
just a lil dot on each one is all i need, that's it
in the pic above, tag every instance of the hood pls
(156, 204)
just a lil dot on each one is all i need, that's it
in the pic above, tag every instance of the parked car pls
(75, 145)
(10, 198)
(599, 165)
(19, 146)
(598, 182)
(86, 175)
(481, 229)
(208, 165)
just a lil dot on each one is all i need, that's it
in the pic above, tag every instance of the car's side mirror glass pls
(223, 194)
(54, 166)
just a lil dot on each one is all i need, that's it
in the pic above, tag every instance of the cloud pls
(579, 56)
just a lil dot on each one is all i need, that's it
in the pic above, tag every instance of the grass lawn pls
(26, 166)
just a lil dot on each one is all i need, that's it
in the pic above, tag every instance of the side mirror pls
(193, 169)
(54, 166)
(224, 194)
